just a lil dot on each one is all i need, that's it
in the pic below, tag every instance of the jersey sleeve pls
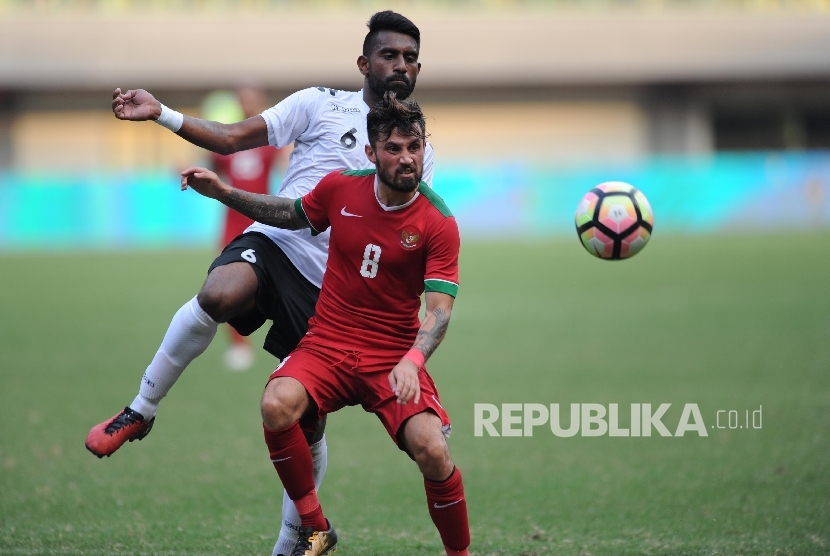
(429, 160)
(313, 206)
(288, 120)
(442, 259)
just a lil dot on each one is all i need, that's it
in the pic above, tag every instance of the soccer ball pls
(614, 221)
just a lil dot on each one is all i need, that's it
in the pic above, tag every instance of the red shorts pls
(335, 378)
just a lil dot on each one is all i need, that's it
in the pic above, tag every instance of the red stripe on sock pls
(307, 503)
(448, 510)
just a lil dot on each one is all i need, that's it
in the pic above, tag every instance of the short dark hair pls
(389, 21)
(390, 114)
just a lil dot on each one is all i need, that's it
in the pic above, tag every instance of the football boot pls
(105, 438)
(315, 543)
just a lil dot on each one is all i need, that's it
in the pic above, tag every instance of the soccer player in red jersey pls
(392, 239)
(248, 170)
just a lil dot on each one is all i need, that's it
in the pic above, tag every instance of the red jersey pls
(381, 259)
(247, 170)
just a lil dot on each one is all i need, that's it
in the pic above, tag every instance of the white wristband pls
(170, 119)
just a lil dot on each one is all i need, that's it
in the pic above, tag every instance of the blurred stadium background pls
(718, 111)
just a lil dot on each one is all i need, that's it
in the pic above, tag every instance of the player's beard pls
(398, 83)
(394, 181)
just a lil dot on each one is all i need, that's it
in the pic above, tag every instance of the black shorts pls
(283, 294)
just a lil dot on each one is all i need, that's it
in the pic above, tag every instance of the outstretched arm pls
(404, 377)
(139, 105)
(268, 209)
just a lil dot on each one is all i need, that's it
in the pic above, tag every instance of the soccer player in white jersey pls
(269, 273)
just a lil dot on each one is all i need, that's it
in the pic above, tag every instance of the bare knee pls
(211, 301)
(433, 459)
(228, 292)
(425, 441)
(285, 400)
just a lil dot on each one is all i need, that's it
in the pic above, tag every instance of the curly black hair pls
(392, 114)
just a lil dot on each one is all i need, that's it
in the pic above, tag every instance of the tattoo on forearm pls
(427, 340)
(268, 209)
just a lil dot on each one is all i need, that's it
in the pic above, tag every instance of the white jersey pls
(328, 129)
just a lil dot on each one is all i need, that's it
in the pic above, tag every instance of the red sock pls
(292, 460)
(448, 510)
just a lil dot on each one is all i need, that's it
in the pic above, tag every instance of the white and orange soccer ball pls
(614, 221)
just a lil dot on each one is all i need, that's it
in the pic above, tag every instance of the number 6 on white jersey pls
(371, 257)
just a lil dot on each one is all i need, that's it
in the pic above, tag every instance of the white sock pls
(189, 334)
(290, 518)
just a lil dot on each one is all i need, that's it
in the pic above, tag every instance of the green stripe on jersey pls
(366, 172)
(436, 201)
(298, 206)
(441, 286)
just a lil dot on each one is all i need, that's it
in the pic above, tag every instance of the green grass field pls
(727, 323)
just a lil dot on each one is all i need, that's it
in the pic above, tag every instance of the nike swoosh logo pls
(438, 506)
(344, 213)
(283, 459)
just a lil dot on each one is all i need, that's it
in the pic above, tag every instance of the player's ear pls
(370, 154)
(363, 65)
